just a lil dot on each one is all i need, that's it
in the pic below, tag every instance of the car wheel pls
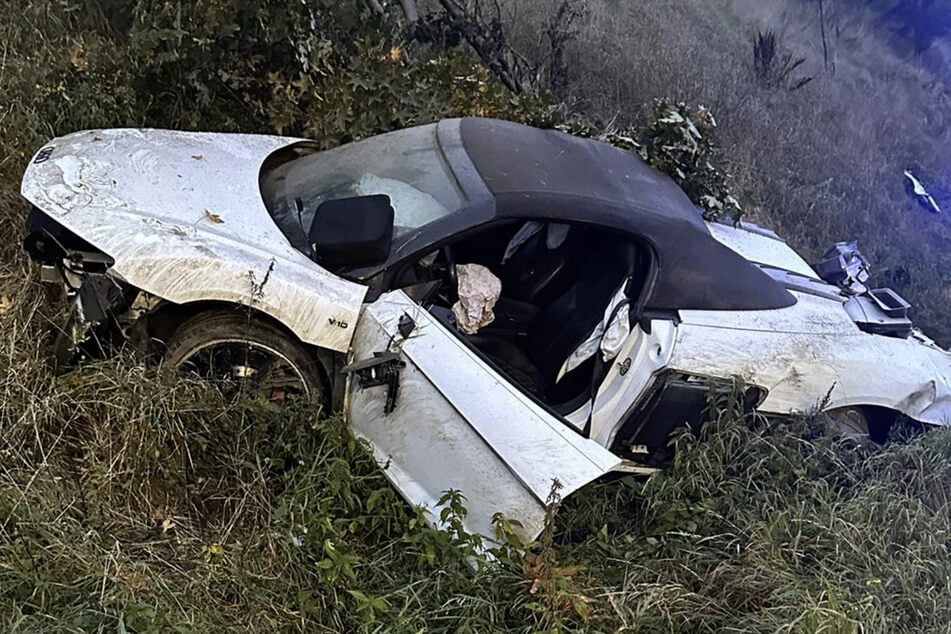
(242, 354)
(848, 423)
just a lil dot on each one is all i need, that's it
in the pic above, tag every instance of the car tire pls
(242, 353)
(849, 424)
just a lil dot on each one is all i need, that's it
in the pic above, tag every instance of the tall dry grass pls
(819, 164)
(133, 501)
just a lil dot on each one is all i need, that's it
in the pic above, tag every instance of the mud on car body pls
(604, 309)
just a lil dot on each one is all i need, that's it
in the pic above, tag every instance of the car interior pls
(557, 282)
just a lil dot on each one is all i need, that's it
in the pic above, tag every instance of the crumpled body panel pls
(182, 216)
(802, 353)
(812, 349)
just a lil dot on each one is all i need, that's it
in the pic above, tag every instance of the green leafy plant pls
(679, 141)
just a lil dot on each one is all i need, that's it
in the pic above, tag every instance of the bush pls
(680, 142)
(774, 67)
(133, 501)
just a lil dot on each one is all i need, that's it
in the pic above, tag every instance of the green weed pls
(135, 501)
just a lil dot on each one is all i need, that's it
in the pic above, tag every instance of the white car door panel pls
(458, 425)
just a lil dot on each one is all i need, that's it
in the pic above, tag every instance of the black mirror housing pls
(352, 231)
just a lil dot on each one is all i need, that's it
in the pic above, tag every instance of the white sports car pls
(493, 306)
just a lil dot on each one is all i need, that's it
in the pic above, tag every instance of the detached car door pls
(455, 423)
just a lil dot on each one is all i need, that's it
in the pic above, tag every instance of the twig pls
(825, 46)
(409, 10)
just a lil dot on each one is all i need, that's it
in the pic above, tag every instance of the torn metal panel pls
(458, 425)
(182, 216)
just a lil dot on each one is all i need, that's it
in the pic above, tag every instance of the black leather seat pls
(558, 330)
(538, 274)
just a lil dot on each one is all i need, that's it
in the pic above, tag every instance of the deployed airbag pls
(478, 290)
(609, 335)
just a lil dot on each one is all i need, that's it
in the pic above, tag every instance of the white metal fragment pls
(919, 190)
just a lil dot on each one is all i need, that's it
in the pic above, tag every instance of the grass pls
(134, 501)
(820, 164)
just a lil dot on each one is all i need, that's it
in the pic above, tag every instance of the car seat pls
(559, 329)
(538, 274)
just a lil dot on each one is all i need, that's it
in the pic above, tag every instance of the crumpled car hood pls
(182, 215)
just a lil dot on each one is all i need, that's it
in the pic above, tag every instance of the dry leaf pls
(215, 218)
(197, 157)
(212, 552)
(77, 56)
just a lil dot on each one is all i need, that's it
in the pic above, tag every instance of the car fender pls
(319, 311)
(182, 217)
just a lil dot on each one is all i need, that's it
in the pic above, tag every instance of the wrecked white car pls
(493, 306)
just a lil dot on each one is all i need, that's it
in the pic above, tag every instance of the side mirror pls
(352, 231)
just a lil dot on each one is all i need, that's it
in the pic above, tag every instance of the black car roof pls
(530, 172)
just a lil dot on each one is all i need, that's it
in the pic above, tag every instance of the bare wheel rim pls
(238, 366)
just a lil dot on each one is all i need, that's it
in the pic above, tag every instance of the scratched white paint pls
(761, 249)
(458, 424)
(811, 349)
(141, 197)
(804, 352)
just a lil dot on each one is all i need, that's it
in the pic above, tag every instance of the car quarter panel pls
(182, 216)
(804, 352)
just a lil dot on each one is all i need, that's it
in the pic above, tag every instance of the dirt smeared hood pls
(182, 215)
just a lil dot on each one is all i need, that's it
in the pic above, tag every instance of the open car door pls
(457, 424)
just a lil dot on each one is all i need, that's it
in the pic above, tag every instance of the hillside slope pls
(135, 501)
(819, 164)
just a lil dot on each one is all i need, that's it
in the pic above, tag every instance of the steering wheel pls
(450, 261)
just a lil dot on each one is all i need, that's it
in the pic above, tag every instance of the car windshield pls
(406, 165)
